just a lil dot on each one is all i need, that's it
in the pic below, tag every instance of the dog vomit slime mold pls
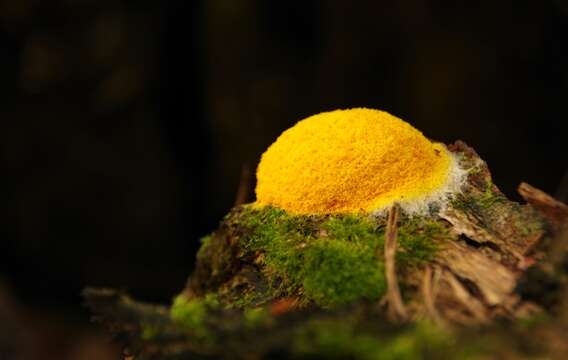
(355, 161)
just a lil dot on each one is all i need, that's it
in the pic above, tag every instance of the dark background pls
(124, 125)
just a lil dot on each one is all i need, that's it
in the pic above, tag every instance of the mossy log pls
(477, 278)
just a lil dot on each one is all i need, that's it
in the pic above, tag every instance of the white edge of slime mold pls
(438, 199)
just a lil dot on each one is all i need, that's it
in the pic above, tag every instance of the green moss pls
(491, 210)
(484, 198)
(338, 272)
(192, 314)
(328, 339)
(343, 340)
(245, 300)
(353, 229)
(533, 321)
(489, 198)
(530, 227)
(255, 317)
(205, 241)
(416, 241)
(331, 260)
(149, 331)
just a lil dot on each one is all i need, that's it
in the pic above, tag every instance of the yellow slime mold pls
(353, 161)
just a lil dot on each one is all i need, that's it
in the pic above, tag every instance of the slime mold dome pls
(355, 161)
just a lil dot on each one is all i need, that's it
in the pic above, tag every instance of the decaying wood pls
(473, 304)
(127, 319)
(484, 215)
(478, 275)
(494, 281)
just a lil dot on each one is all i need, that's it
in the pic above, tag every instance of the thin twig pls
(244, 186)
(554, 210)
(396, 306)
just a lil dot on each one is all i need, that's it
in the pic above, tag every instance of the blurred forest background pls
(124, 125)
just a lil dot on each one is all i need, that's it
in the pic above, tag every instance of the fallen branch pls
(555, 211)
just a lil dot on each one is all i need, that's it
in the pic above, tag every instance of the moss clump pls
(245, 300)
(344, 340)
(204, 244)
(255, 317)
(483, 199)
(330, 260)
(419, 241)
(192, 314)
(338, 272)
(149, 331)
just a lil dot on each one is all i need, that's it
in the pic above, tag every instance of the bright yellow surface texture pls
(349, 161)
